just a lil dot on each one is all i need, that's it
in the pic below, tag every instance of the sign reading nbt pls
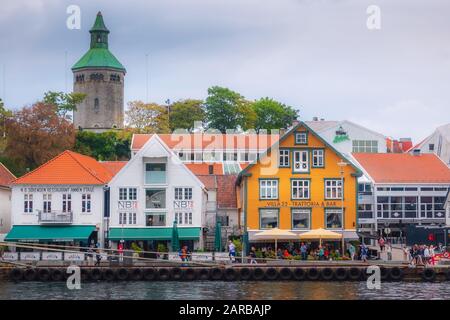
(183, 204)
(127, 205)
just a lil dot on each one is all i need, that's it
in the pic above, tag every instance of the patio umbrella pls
(275, 234)
(175, 238)
(218, 237)
(320, 234)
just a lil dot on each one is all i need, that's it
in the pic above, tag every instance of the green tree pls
(66, 103)
(226, 109)
(4, 115)
(109, 145)
(184, 113)
(271, 114)
(147, 117)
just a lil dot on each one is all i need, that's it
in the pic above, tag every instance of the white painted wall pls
(441, 146)
(354, 132)
(57, 191)
(177, 175)
(5, 210)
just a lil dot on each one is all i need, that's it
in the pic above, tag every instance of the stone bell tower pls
(100, 76)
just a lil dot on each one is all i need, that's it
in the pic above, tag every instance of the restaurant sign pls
(10, 256)
(30, 256)
(51, 256)
(71, 256)
(305, 204)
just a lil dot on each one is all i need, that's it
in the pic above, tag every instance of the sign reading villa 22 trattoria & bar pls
(305, 204)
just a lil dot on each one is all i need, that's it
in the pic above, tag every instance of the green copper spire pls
(99, 56)
(99, 33)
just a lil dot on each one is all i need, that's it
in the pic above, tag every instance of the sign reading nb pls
(127, 205)
(183, 204)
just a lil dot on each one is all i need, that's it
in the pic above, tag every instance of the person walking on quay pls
(98, 258)
(231, 251)
(426, 255)
(406, 254)
(432, 255)
(253, 256)
(320, 253)
(351, 251)
(389, 251)
(120, 250)
(381, 243)
(304, 251)
(364, 252)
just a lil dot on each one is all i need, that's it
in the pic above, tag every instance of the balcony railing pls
(55, 217)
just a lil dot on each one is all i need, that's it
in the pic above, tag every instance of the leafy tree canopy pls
(226, 109)
(184, 113)
(65, 103)
(147, 117)
(271, 114)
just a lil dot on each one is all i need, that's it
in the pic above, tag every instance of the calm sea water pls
(224, 290)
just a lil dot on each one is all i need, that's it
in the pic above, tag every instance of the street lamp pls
(342, 165)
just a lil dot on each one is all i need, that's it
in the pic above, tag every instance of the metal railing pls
(55, 217)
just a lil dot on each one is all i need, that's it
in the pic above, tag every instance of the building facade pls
(438, 143)
(61, 202)
(399, 190)
(6, 177)
(301, 183)
(100, 76)
(149, 194)
(347, 137)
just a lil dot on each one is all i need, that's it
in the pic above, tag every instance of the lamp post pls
(342, 165)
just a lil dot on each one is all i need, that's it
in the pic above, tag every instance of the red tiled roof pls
(210, 141)
(209, 181)
(203, 168)
(226, 197)
(113, 166)
(6, 177)
(404, 167)
(68, 168)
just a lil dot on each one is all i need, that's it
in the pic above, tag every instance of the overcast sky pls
(315, 55)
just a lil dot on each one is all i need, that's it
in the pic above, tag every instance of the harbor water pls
(208, 290)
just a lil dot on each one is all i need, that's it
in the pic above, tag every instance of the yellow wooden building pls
(301, 183)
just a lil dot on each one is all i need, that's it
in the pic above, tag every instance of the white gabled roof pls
(166, 151)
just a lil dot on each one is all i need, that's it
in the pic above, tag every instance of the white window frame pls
(318, 158)
(268, 189)
(301, 210)
(301, 137)
(86, 203)
(300, 161)
(66, 202)
(333, 189)
(302, 186)
(28, 203)
(47, 202)
(284, 157)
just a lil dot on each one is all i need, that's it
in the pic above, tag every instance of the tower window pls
(114, 78)
(96, 105)
(79, 78)
(96, 77)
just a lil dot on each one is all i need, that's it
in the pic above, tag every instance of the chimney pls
(315, 118)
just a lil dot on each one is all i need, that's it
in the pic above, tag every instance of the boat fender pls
(327, 274)
(285, 274)
(16, 274)
(163, 274)
(428, 274)
(245, 273)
